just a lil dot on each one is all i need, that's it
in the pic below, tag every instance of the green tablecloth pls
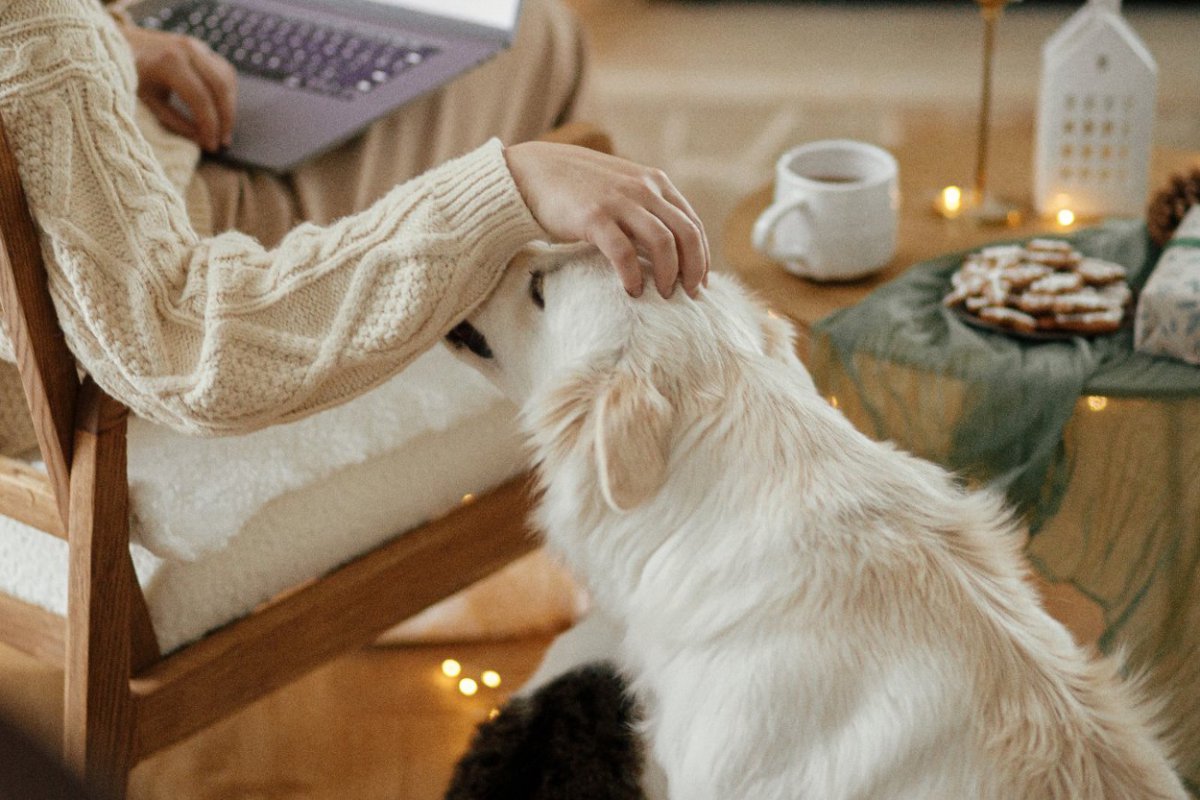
(1019, 394)
(1098, 445)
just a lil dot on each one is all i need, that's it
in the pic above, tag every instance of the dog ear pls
(633, 428)
(779, 337)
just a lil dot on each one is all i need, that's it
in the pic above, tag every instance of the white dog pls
(807, 613)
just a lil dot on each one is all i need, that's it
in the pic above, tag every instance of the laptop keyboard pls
(318, 57)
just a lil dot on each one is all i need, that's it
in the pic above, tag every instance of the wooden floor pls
(382, 723)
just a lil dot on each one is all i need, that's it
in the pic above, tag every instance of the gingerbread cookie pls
(1021, 275)
(1049, 246)
(1090, 321)
(1097, 272)
(1079, 302)
(1045, 285)
(1036, 303)
(1057, 283)
(1007, 317)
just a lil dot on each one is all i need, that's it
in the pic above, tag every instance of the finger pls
(674, 196)
(171, 118)
(653, 235)
(221, 79)
(689, 243)
(610, 240)
(186, 83)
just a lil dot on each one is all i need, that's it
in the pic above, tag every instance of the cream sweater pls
(214, 335)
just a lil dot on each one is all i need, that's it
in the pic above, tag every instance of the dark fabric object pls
(573, 739)
(27, 772)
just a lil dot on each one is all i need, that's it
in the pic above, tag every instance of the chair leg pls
(98, 709)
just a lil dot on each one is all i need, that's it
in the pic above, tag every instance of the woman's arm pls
(221, 335)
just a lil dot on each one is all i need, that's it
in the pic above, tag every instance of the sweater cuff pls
(480, 201)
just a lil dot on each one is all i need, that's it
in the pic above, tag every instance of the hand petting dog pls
(621, 207)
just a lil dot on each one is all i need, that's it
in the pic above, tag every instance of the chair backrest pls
(48, 370)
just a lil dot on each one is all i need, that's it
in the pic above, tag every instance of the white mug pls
(835, 210)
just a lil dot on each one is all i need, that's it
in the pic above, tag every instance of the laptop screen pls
(500, 14)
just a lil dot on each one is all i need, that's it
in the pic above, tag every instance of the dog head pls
(615, 377)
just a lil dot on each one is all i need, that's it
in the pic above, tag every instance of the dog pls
(806, 613)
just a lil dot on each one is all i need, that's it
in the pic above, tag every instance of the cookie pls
(1090, 321)
(1001, 255)
(1119, 293)
(976, 303)
(1007, 317)
(1036, 303)
(1079, 302)
(995, 289)
(1097, 272)
(1057, 283)
(971, 282)
(1054, 259)
(1021, 275)
(1049, 246)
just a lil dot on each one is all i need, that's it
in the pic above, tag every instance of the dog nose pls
(464, 334)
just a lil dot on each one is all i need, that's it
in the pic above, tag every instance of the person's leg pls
(521, 93)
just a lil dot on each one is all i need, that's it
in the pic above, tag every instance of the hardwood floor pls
(382, 723)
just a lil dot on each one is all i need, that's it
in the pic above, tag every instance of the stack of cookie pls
(1043, 286)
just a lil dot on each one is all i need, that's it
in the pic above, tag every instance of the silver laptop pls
(312, 73)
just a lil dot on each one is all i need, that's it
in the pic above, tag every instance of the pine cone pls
(1170, 204)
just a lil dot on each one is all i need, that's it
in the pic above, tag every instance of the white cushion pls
(220, 525)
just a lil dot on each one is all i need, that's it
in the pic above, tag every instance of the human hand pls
(622, 208)
(170, 64)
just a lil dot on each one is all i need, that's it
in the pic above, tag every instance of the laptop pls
(312, 73)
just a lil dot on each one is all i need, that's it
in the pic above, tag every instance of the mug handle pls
(763, 235)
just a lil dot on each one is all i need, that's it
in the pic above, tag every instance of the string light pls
(451, 668)
(468, 498)
(952, 198)
(833, 401)
(1097, 403)
(490, 678)
(1065, 217)
(495, 712)
(468, 687)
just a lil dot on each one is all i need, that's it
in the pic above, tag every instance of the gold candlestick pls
(979, 204)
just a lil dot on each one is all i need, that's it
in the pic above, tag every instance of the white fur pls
(807, 613)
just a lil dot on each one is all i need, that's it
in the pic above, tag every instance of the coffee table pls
(1119, 561)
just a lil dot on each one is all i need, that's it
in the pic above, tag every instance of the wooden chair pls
(124, 700)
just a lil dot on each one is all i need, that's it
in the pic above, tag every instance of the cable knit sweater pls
(215, 335)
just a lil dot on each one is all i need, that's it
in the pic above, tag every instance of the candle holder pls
(978, 203)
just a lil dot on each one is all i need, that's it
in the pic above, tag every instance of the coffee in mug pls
(835, 212)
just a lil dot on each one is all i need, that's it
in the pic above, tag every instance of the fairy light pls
(468, 687)
(1065, 217)
(451, 668)
(468, 498)
(490, 678)
(833, 401)
(952, 198)
(495, 712)
(1097, 403)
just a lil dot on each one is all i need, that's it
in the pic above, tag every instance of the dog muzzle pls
(464, 334)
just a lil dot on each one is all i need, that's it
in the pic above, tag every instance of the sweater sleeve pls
(220, 335)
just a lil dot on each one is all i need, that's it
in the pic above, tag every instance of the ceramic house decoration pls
(1095, 116)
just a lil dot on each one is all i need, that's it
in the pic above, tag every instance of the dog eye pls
(535, 289)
